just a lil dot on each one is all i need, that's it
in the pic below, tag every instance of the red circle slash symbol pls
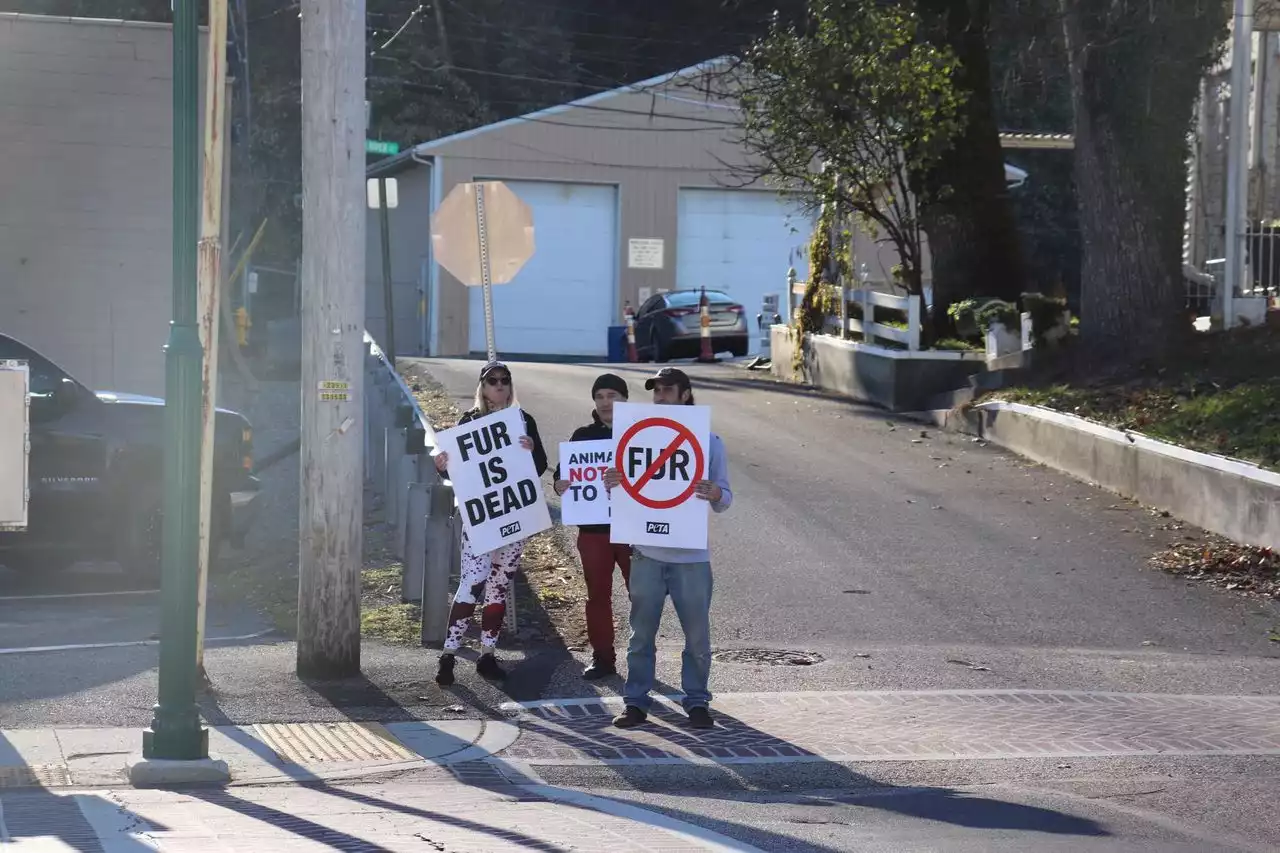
(683, 435)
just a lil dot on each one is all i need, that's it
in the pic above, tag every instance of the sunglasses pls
(497, 380)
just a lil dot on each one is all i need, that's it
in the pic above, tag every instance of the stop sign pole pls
(482, 233)
(486, 273)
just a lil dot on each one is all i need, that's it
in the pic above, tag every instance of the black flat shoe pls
(599, 670)
(488, 667)
(444, 677)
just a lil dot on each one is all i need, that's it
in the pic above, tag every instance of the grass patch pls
(1220, 395)
(393, 623)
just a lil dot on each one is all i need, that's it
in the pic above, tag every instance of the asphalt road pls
(852, 530)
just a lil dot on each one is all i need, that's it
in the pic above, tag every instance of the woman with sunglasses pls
(494, 572)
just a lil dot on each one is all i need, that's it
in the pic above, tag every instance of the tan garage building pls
(632, 193)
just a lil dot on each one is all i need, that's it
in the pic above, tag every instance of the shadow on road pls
(711, 764)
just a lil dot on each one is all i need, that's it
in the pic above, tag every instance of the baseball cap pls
(492, 366)
(668, 376)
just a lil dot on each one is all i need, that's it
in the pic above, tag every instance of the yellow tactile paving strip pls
(320, 743)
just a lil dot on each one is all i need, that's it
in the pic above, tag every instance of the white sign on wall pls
(645, 254)
(582, 464)
(495, 480)
(662, 452)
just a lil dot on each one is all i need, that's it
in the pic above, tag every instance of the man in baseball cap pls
(682, 573)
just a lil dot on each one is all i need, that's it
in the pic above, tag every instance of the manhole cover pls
(768, 657)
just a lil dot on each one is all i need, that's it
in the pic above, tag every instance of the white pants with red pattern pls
(492, 574)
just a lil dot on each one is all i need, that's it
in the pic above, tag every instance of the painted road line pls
(64, 595)
(124, 645)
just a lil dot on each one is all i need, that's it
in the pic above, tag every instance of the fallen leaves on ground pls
(1224, 564)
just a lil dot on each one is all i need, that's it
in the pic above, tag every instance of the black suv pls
(96, 475)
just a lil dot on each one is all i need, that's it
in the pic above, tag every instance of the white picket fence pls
(869, 300)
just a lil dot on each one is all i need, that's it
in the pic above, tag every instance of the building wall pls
(409, 227)
(86, 195)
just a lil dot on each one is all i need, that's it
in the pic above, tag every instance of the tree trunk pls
(1134, 74)
(972, 233)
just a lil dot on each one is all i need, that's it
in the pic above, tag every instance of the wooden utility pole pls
(333, 272)
(209, 282)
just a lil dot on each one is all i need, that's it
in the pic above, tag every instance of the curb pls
(1236, 499)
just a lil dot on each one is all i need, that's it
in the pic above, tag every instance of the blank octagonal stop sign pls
(455, 233)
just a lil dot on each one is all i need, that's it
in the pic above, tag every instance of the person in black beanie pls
(598, 554)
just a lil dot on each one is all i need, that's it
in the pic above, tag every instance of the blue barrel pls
(617, 344)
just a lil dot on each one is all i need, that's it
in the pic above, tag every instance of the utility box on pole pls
(331, 522)
(15, 443)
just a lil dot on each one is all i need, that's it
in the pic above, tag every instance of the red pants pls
(599, 556)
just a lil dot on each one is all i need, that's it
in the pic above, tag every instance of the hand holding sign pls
(661, 466)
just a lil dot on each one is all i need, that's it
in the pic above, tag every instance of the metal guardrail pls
(418, 504)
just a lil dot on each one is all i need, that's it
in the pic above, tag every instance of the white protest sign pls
(495, 480)
(583, 464)
(662, 453)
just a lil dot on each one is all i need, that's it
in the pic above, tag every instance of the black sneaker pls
(444, 677)
(630, 718)
(600, 669)
(488, 667)
(700, 718)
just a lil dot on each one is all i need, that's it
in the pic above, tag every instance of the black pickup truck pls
(96, 476)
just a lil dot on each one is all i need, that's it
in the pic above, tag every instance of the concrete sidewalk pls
(356, 818)
(266, 753)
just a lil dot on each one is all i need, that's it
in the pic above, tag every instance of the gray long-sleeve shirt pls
(718, 473)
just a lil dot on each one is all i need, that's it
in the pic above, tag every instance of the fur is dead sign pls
(495, 480)
(662, 453)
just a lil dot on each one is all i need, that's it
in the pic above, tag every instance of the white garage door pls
(562, 301)
(742, 242)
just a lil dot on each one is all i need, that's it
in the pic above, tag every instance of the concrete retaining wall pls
(1236, 499)
(895, 379)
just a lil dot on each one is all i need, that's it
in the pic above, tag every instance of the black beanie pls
(613, 382)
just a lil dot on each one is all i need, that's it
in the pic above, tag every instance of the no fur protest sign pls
(583, 464)
(494, 480)
(662, 453)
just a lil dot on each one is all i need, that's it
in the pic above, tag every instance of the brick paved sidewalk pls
(353, 819)
(925, 725)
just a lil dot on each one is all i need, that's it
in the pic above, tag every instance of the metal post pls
(415, 549)
(791, 295)
(388, 296)
(442, 552)
(486, 273)
(176, 732)
(1238, 156)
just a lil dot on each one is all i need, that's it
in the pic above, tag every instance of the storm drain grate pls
(768, 657)
(319, 743)
(35, 776)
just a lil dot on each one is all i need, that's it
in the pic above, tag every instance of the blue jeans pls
(689, 585)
